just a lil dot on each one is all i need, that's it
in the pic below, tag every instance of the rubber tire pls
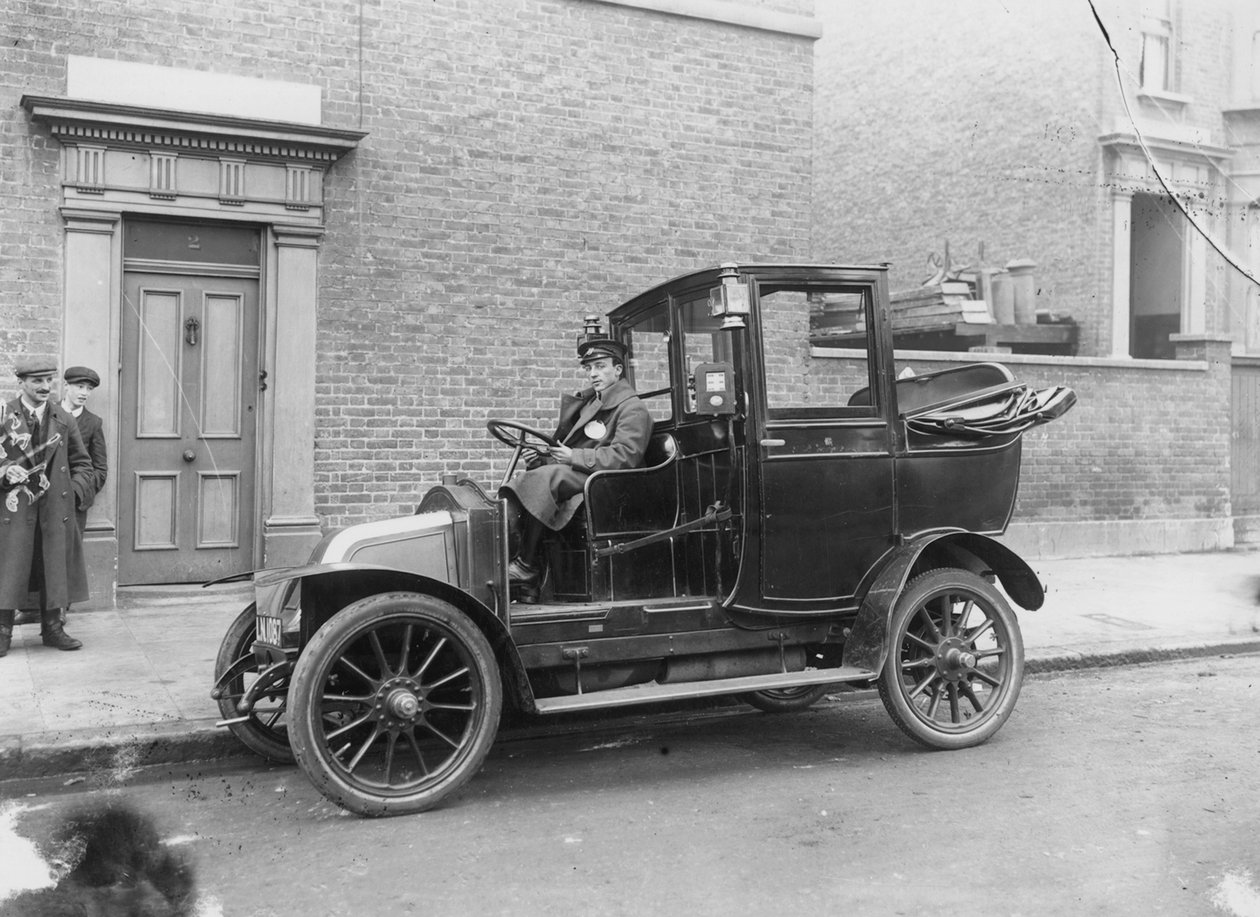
(892, 692)
(313, 668)
(785, 700)
(272, 742)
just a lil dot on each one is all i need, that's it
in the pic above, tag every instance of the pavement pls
(138, 693)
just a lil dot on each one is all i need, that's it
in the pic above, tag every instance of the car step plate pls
(654, 692)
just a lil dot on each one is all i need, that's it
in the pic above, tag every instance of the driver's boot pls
(53, 633)
(523, 571)
(6, 631)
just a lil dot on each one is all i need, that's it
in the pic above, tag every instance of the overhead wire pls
(1219, 247)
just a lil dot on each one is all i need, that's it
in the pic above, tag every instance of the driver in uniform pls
(603, 427)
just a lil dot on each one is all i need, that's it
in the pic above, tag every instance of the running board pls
(654, 692)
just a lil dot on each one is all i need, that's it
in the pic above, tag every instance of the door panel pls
(189, 387)
(827, 500)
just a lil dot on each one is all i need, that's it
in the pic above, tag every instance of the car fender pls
(866, 645)
(351, 582)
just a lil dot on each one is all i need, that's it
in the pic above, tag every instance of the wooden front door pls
(188, 408)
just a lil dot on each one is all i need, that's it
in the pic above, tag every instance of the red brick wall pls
(527, 162)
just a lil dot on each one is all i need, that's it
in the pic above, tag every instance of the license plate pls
(267, 630)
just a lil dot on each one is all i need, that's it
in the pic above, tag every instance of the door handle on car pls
(773, 442)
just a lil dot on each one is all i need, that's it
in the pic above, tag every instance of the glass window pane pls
(647, 343)
(818, 351)
(703, 341)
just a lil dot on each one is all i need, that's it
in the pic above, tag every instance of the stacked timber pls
(832, 314)
(938, 305)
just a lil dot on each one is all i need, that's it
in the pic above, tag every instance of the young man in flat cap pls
(44, 470)
(603, 427)
(80, 382)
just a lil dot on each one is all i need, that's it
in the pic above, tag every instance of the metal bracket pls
(577, 654)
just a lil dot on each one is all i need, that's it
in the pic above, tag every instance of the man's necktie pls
(33, 422)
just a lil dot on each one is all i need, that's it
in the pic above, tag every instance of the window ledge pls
(1164, 98)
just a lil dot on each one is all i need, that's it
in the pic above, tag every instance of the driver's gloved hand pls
(535, 459)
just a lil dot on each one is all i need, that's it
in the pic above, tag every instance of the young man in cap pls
(603, 427)
(44, 469)
(80, 382)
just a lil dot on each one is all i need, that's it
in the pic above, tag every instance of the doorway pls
(188, 403)
(1156, 272)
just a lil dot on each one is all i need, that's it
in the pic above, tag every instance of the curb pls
(115, 753)
(1068, 662)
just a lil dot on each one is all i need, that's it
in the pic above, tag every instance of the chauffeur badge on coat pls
(595, 430)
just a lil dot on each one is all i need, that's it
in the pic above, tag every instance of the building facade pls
(311, 249)
(1113, 145)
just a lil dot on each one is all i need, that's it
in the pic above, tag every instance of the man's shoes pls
(521, 572)
(53, 633)
(6, 638)
(523, 581)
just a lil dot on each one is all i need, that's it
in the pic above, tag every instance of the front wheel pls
(955, 660)
(394, 705)
(265, 731)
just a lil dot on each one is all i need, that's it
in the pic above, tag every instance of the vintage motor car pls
(807, 515)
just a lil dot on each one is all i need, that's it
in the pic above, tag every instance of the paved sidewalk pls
(139, 690)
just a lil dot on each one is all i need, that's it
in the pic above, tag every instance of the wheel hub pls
(399, 702)
(954, 659)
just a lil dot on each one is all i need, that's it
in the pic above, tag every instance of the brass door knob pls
(189, 455)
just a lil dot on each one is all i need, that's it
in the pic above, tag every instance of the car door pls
(827, 508)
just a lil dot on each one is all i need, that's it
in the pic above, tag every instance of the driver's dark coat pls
(552, 493)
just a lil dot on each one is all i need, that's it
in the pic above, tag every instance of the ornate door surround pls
(189, 166)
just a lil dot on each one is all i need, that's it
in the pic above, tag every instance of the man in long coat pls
(603, 427)
(44, 470)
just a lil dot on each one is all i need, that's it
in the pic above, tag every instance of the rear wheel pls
(266, 731)
(785, 700)
(955, 660)
(395, 704)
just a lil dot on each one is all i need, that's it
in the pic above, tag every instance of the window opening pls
(647, 353)
(1155, 71)
(803, 381)
(703, 341)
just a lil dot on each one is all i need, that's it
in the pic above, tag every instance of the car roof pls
(711, 274)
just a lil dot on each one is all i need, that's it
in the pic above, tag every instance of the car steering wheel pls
(502, 431)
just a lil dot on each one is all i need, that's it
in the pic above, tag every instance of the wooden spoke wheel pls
(955, 660)
(395, 704)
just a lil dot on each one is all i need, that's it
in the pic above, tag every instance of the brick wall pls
(978, 123)
(1139, 464)
(527, 162)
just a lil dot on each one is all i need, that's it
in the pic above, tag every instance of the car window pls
(703, 341)
(647, 343)
(818, 350)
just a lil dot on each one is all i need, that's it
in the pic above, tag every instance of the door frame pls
(200, 167)
(184, 270)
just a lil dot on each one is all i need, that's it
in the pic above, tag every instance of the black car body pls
(803, 518)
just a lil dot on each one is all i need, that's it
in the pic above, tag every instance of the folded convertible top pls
(1002, 409)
